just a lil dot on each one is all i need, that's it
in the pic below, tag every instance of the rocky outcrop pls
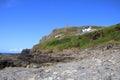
(91, 64)
(6, 63)
(25, 52)
(13, 60)
(25, 55)
(28, 59)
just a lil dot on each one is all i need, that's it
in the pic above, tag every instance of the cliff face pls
(59, 36)
(62, 44)
(76, 37)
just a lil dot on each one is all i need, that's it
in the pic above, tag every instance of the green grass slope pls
(100, 36)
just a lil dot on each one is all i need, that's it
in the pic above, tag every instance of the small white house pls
(87, 29)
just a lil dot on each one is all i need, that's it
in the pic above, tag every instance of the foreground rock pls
(6, 63)
(94, 64)
(12, 60)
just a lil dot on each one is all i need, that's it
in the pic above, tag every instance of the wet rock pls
(6, 63)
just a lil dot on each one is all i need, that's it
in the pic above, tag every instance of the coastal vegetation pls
(99, 36)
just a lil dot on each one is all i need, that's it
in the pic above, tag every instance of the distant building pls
(87, 29)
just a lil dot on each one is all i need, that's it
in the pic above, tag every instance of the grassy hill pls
(70, 40)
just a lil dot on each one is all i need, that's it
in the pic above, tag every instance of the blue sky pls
(24, 22)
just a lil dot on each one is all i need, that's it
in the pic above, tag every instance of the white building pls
(87, 29)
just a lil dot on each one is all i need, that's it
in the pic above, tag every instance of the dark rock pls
(20, 63)
(25, 55)
(25, 52)
(6, 63)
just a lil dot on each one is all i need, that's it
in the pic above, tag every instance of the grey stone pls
(92, 65)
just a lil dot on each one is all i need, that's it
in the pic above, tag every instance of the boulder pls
(6, 63)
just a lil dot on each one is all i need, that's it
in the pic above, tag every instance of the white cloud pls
(15, 50)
